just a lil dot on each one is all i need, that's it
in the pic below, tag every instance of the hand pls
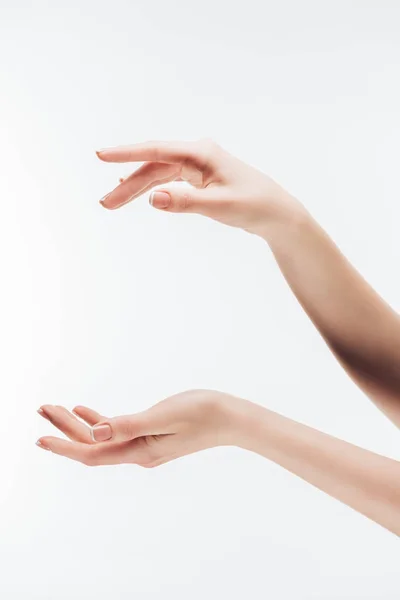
(224, 188)
(180, 425)
(196, 420)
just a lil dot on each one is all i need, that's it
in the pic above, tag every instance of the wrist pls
(286, 217)
(257, 429)
(246, 424)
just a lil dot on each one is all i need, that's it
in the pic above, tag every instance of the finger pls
(211, 202)
(91, 455)
(74, 450)
(155, 151)
(61, 418)
(126, 428)
(146, 177)
(89, 415)
(122, 179)
(159, 420)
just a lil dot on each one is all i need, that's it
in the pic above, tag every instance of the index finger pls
(89, 415)
(155, 151)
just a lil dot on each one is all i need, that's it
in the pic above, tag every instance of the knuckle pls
(124, 427)
(184, 202)
(208, 144)
(208, 150)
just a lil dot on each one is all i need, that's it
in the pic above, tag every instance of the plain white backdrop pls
(117, 310)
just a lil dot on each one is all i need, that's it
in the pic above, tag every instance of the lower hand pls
(180, 425)
(196, 420)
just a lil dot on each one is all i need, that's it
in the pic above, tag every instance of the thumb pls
(179, 200)
(122, 429)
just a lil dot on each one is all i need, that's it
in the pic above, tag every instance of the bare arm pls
(363, 480)
(200, 419)
(360, 328)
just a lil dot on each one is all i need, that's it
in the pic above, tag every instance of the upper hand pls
(223, 187)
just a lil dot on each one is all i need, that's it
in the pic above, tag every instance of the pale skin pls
(362, 331)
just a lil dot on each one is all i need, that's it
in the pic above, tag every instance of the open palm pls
(180, 425)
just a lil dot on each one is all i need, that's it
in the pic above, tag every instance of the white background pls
(117, 310)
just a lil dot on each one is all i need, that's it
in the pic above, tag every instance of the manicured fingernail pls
(104, 198)
(41, 445)
(101, 433)
(42, 413)
(160, 199)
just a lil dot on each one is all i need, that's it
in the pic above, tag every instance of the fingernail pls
(104, 198)
(160, 199)
(101, 433)
(41, 445)
(42, 413)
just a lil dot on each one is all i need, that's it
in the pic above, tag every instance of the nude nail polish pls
(104, 198)
(160, 199)
(101, 433)
(41, 445)
(42, 413)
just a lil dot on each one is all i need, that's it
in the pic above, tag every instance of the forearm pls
(367, 482)
(358, 325)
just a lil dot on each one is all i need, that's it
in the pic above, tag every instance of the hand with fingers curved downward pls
(223, 187)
